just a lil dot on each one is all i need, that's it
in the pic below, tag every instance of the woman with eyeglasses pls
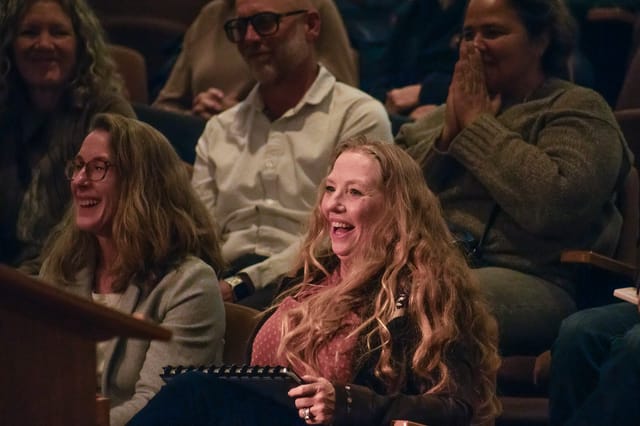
(55, 75)
(137, 239)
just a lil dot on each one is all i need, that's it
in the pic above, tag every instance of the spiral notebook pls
(269, 381)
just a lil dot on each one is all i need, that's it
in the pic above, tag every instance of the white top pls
(110, 300)
(259, 178)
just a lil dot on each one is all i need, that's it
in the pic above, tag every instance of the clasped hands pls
(468, 96)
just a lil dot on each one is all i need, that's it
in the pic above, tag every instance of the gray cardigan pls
(186, 301)
(552, 165)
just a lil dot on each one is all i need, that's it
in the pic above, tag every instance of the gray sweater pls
(186, 301)
(551, 165)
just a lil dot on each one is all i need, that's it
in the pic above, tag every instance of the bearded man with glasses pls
(258, 164)
(210, 76)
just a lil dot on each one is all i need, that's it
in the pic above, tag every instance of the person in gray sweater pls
(525, 164)
(137, 239)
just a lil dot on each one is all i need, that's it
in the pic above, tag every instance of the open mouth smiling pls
(341, 228)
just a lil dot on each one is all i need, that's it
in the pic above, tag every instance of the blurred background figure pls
(210, 75)
(579, 8)
(369, 25)
(55, 75)
(415, 71)
(138, 240)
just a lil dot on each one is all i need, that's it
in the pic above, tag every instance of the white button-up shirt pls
(259, 178)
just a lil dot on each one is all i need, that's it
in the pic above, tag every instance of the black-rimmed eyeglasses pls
(95, 170)
(264, 23)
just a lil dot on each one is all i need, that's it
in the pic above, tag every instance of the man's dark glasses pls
(264, 23)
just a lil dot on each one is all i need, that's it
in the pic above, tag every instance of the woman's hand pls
(315, 400)
(451, 126)
(470, 91)
(468, 96)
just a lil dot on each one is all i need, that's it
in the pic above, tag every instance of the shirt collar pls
(321, 86)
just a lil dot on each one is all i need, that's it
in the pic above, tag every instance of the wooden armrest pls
(405, 423)
(541, 369)
(598, 14)
(599, 261)
(102, 410)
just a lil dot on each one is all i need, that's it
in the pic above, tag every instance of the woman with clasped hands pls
(524, 163)
(137, 239)
(384, 321)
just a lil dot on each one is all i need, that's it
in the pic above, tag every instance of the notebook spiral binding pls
(272, 382)
(254, 372)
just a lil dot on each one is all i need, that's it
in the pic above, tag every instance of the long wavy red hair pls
(409, 251)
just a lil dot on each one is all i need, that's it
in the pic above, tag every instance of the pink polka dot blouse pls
(336, 358)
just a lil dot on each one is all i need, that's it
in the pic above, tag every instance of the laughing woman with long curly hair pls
(384, 322)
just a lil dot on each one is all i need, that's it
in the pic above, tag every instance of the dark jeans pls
(196, 399)
(595, 368)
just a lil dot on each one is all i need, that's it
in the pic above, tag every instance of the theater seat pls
(182, 130)
(241, 323)
(606, 41)
(132, 68)
(155, 38)
(629, 96)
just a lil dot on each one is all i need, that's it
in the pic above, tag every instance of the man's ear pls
(313, 25)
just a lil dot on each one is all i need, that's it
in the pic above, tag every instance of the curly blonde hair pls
(408, 251)
(95, 72)
(159, 219)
